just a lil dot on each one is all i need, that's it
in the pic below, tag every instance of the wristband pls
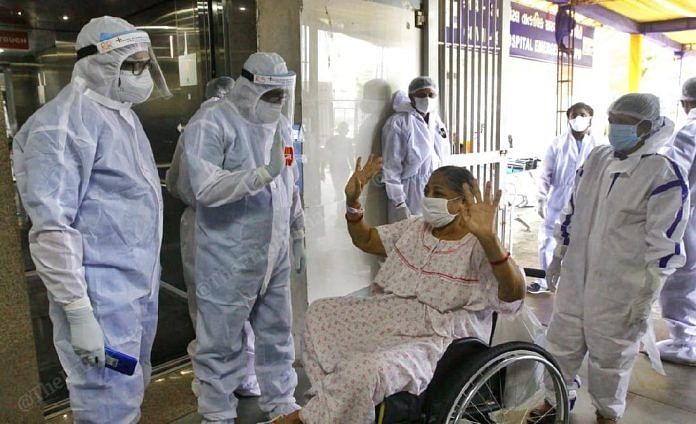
(502, 261)
(358, 218)
(354, 211)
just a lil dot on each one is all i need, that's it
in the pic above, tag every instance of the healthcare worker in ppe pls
(563, 157)
(618, 239)
(414, 144)
(88, 180)
(248, 217)
(179, 186)
(678, 298)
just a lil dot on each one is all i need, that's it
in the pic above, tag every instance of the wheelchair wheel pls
(502, 384)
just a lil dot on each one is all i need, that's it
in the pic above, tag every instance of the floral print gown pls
(357, 351)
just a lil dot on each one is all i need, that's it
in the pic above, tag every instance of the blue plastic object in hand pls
(120, 362)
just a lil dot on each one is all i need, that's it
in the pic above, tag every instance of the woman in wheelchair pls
(444, 275)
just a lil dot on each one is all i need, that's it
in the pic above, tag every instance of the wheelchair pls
(475, 382)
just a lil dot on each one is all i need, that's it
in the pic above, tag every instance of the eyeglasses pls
(136, 67)
(277, 95)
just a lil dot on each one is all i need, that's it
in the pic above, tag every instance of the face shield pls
(132, 55)
(276, 99)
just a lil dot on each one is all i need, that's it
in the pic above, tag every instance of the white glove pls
(553, 273)
(640, 309)
(86, 335)
(401, 213)
(541, 206)
(277, 161)
(298, 254)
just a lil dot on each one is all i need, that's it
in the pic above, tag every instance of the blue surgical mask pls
(623, 137)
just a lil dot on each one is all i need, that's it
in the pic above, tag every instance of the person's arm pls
(666, 220)
(204, 152)
(172, 176)
(546, 175)
(52, 174)
(364, 237)
(297, 224)
(682, 148)
(445, 143)
(478, 216)
(393, 153)
(667, 217)
(562, 229)
(511, 285)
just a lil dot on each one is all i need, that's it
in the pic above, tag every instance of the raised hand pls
(361, 176)
(478, 214)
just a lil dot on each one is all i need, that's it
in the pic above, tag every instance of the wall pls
(529, 99)
(353, 58)
(20, 395)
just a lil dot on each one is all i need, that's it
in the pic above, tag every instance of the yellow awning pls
(683, 37)
(640, 11)
(651, 10)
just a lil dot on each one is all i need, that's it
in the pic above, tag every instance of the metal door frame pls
(470, 76)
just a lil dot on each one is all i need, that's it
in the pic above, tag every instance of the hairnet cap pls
(689, 90)
(641, 106)
(107, 26)
(419, 83)
(266, 64)
(218, 87)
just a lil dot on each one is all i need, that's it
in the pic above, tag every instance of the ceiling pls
(48, 14)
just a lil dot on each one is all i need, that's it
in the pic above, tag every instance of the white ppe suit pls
(412, 148)
(244, 223)
(88, 180)
(619, 238)
(179, 185)
(678, 297)
(556, 179)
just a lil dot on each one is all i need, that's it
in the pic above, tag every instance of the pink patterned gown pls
(357, 351)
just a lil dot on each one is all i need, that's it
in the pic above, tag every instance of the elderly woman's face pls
(438, 186)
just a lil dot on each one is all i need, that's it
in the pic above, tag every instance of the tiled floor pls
(652, 398)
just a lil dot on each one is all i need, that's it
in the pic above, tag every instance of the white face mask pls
(580, 123)
(435, 211)
(268, 113)
(135, 89)
(425, 104)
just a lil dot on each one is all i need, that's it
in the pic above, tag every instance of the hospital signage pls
(532, 36)
(16, 40)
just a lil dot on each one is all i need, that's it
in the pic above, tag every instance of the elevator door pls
(193, 41)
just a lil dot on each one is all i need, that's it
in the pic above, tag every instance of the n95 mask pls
(580, 123)
(135, 88)
(425, 104)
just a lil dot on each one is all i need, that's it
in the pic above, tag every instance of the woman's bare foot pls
(541, 414)
(602, 420)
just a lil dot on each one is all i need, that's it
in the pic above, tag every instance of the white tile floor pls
(652, 398)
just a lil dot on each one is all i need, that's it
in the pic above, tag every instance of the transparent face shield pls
(278, 91)
(130, 45)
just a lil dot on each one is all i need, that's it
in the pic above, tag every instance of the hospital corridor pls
(348, 211)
